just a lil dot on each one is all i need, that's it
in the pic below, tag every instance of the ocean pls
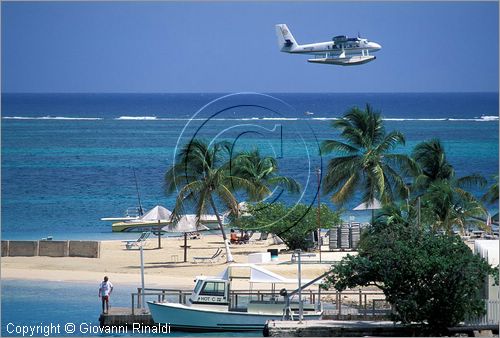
(69, 159)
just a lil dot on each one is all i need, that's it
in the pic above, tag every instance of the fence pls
(492, 316)
(347, 304)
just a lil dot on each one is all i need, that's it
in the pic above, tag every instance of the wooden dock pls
(123, 316)
(354, 328)
(334, 328)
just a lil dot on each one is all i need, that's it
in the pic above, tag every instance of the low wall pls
(53, 248)
(5, 248)
(89, 249)
(23, 248)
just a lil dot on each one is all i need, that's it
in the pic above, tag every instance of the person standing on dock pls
(105, 290)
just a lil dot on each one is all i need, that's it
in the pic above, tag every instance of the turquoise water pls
(60, 176)
(36, 303)
(68, 160)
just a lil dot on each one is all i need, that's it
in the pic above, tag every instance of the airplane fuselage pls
(331, 48)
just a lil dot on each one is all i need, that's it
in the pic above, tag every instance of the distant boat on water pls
(159, 216)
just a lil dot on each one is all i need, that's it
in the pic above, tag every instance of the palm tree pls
(262, 172)
(491, 196)
(431, 157)
(365, 160)
(201, 174)
(445, 207)
(446, 201)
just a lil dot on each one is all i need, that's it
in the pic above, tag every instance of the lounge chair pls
(263, 236)
(141, 241)
(212, 259)
(277, 240)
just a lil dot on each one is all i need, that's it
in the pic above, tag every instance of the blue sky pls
(232, 47)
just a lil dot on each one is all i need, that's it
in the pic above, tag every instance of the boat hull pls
(185, 318)
(136, 226)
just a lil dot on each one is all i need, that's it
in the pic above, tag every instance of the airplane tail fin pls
(286, 41)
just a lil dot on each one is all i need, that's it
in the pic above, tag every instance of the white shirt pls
(105, 288)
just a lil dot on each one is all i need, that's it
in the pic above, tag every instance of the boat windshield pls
(198, 286)
(213, 289)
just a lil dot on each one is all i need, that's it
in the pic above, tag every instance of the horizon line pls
(266, 92)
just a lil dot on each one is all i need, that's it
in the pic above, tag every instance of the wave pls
(144, 118)
(52, 118)
(483, 118)
(488, 118)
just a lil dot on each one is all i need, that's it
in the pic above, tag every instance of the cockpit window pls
(213, 289)
(198, 286)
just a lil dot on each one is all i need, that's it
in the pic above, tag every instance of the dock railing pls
(491, 317)
(335, 304)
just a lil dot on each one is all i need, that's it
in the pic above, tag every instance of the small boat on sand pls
(214, 305)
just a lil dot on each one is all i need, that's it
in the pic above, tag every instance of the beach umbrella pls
(374, 204)
(157, 214)
(186, 223)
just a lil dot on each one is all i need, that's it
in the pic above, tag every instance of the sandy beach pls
(163, 267)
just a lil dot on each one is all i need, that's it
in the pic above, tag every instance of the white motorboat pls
(212, 306)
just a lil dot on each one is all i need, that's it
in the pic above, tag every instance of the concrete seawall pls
(22, 248)
(89, 249)
(53, 248)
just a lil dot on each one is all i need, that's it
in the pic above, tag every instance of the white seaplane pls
(342, 50)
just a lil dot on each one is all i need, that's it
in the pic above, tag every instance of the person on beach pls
(105, 290)
(234, 237)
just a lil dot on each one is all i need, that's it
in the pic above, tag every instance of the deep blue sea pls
(69, 159)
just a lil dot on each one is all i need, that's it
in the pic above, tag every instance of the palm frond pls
(329, 146)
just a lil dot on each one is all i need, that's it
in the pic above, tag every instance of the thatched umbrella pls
(186, 224)
(374, 204)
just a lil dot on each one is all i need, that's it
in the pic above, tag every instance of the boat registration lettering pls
(213, 299)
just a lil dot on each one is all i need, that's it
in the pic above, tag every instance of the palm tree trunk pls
(229, 256)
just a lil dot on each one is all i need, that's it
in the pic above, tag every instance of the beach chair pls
(212, 259)
(277, 240)
(141, 241)
(263, 236)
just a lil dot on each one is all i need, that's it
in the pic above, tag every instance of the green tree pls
(292, 224)
(445, 207)
(433, 280)
(446, 202)
(431, 158)
(262, 172)
(365, 160)
(491, 196)
(201, 174)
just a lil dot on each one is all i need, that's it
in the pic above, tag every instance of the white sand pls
(163, 267)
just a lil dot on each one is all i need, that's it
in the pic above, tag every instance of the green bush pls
(292, 224)
(434, 280)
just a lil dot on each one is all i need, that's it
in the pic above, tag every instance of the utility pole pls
(301, 305)
(318, 172)
(143, 300)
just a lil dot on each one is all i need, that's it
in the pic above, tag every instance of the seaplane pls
(342, 50)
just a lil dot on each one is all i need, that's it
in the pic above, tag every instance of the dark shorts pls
(105, 298)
